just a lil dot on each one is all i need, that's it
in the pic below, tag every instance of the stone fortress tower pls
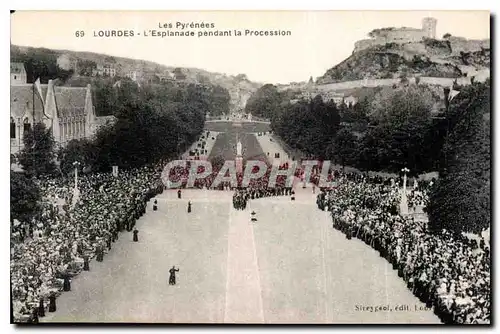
(402, 35)
(429, 27)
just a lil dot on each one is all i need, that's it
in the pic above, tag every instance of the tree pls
(85, 67)
(307, 125)
(264, 102)
(461, 199)
(447, 35)
(37, 156)
(25, 197)
(343, 148)
(81, 150)
(241, 77)
(403, 125)
(219, 102)
(154, 122)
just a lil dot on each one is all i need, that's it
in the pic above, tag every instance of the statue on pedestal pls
(238, 148)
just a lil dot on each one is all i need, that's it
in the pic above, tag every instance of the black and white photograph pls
(250, 167)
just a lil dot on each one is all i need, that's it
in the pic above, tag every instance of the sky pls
(319, 39)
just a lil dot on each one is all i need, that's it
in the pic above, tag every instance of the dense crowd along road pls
(449, 273)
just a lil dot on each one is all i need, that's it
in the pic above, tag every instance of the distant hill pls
(449, 58)
(75, 66)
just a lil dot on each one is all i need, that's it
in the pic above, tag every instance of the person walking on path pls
(172, 271)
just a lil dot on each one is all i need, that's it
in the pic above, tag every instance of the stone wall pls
(399, 36)
(460, 44)
(357, 84)
(368, 43)
(479, 76)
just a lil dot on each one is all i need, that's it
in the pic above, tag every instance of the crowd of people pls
(68, 236)
(448, 272)
(243, 195)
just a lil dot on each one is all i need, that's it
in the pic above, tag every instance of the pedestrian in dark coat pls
(189, 207)
(52, 302)
(99, 254)
(171, 279)
(86, 263)
(41, 308)
(136, 238)
(155, 205)
(179, 193)
(67, 283)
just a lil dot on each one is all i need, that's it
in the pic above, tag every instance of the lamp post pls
(76, 192)
(403, 205)
(76, 164)
(18, 138)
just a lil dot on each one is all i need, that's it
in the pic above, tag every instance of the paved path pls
(288, 267)
(208, 146)
(272, 147)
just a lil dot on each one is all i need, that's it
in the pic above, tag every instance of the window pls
(12, 128)
(27, 125)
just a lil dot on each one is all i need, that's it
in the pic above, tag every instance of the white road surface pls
(288, 267)
(208, 146)
(272, 147)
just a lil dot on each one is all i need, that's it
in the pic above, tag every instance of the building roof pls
(21, 100)
(70, 100)
(17, 67)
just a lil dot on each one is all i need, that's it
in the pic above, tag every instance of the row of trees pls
(461, 199)
(401, 127)
(108, 95)
(386, 131)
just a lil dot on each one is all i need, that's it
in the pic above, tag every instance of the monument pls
(239, 157)
(403, 205)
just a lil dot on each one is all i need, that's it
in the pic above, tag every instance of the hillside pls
(448, 58)
(74, 66)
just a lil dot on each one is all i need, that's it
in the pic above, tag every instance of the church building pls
(68, 111)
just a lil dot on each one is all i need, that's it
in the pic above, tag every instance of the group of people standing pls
(67, 239)
(448, 272)
(242, 195)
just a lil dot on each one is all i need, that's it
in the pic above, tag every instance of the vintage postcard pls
(250, 167)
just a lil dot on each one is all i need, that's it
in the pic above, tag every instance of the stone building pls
(17, 74)
(104, 70)
(399, 35)
(67, 111)
(326, 96)
(134, 75)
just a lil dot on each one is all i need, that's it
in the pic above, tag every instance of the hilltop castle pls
(399, 35)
